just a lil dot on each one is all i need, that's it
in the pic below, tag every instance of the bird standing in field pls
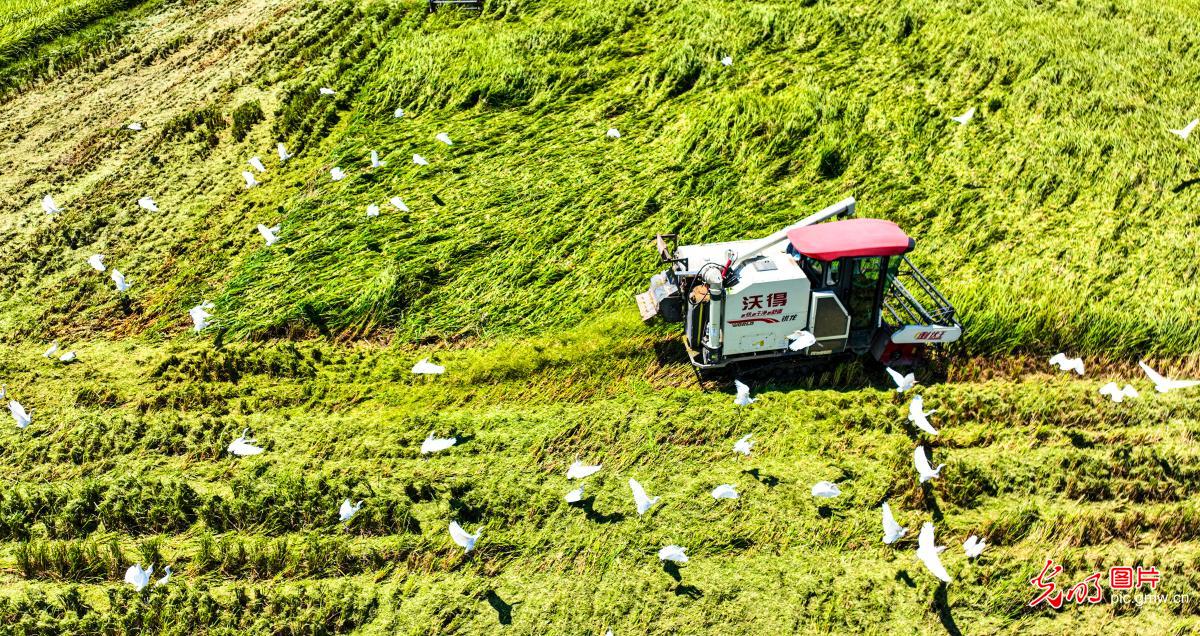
(347, 510)
(49, 206)
(727, 60)
(640, 499)
(973, 546)
(97, 262)
(135, 126)
(892, 531)
(137, 577)
(825, 490)
(924, 470)
(148, 204)
(744, 445)
(965, 117)
(1186, 131)
(444, 138)
(465, 540)
(164, 579)
(1163, 384)
(743, 394)
(575, 496)
(1064, 363)
(1116, 393)
(337, 174)
(398, 114)
(200, 316)
(257, 163)
(903, 382)
(244, 446)
(53, 349)
(67, 358)
(283, 153)
(269, 234)
(119, 280)
(437, 444)
(419, 160)
(249, 177)
(613, 133)
(372, 210)
(919, 416)
(375, 162)
(324, 90)
(398, 203)
(673, 553)
(425, 367)
(22, 417)
(929, 554)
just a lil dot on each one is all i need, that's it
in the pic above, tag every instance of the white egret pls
(419, 160)
(52, 350)
(903, 382)
(165, 579)
(269, 234)
(372, 210)
(575, 496)
(892, 531)
(673, 553)
(326, 91)
(727, 60)
(284, 155)
(398, 203)
(348, 510)
(425, 367)
(1064, 363)
(463, 538)
(925, 471)
(398, 114)
(200, 316)
(1118, 394)
(249, 177)
(67, 358)
(22, 417)
(642, 501)
(580, 470)
(743, 394)
(49, 205)
(135, 126)
(375, 162)
(801, 339)
(825, 490)
(337, 174)
(148, 204)
(444, 138)
(244, 445)
(744, 445)
(724, 491)
(965, 117)
(257, 164)
(1186, 131)
(97, 262)
(137, 577)
(119, 280)
(929, 553)
(1163, 384)
(974, 546)
(919, 416)
(437, 444)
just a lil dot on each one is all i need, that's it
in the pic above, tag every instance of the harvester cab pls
(812, 290)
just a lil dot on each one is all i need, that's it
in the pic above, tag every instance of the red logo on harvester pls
(929, 335)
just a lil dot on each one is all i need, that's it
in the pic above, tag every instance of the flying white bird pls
(137, 577)
(165, 579)
(614, 133)
(639, 497)
(673, 553)
(460, 536)
(919, 416)
(19, 413)
(444, 138)
(269, 233)
(727, 60)
(67, 357)
(97, 262)
(974, 546)
(1184, 132)
(801, 339)
(244, 445)
(903, 382)
(425, 367)
(372, 210)
(1067, 364)
(337, 174)
(926, 471)
(398, 204)
(436, 444)
(892, 531)
(928, 553)
(724, 491)
(744, 445)
(419, 160)
(49, 205)
(148, 204)
(575, 496)
(200, 316)
(135, 126)
(119, 281)
(249, 177)
(375, 162)
(257, 164)
(743, 394)
(326, 91)
(580, 470)
(283, 153)
(1164, 384)
(347, 510)
(398, 114)
(825, 490)
(1118, 394)
(52, 350)
(965, 117)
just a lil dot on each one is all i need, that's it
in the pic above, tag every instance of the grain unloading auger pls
(811, 290)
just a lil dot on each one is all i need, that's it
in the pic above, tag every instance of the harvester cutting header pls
(810, 290)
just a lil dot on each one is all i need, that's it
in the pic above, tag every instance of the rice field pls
(1058, 219)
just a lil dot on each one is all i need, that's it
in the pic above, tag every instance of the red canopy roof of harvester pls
(850, 238)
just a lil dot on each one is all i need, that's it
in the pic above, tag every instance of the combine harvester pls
(811, 291)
